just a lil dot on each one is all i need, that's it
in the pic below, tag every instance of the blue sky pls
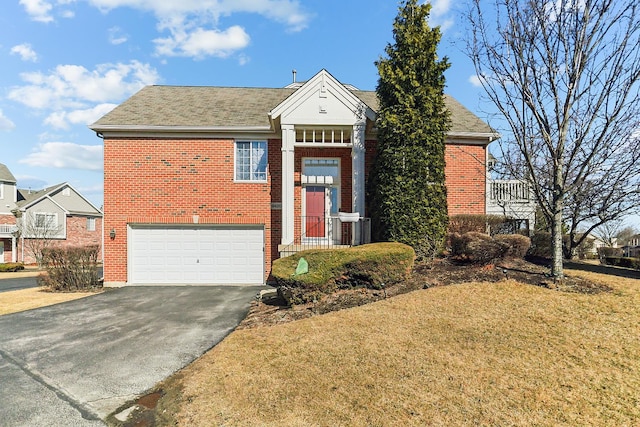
(65, 63)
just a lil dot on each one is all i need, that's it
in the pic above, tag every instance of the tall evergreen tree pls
(407, 194)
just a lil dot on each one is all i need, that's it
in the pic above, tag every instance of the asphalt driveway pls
(76, 362)
(16, 283)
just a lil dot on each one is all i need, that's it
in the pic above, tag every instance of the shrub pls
(626, 262)
(474, 247)
(481, 248)
(495, 224)
(71, 269)
(517, 245)
(368, 266)
(541, 244)
(609, 252)
(11, 266)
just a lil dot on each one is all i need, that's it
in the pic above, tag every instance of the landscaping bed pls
(273, 310)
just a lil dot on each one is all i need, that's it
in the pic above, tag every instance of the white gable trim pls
(326, 89)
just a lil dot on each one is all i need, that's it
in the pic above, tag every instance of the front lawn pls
(28, 299)
(479, 353)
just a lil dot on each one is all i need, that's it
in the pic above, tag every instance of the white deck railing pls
(8, 229)
(503, 192)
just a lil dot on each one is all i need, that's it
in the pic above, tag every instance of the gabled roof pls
(210, 108)
(6, 175)
(29, 198)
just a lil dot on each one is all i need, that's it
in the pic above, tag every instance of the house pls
(58, 214)
(211, 184)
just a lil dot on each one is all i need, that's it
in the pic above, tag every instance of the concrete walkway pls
(75, 363)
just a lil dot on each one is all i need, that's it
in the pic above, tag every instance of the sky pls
(66, 63)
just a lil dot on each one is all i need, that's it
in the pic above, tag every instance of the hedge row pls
(627, 262)
(371, 266)
(11, 266)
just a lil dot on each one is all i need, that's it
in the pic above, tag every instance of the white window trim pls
(1, 190)
(53, 214)
(235, 160)
(91, 224)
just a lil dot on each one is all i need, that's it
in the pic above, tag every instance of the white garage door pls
(196, 255)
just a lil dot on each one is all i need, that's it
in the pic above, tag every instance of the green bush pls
(368, 266)
(11, 266)
(71, 269)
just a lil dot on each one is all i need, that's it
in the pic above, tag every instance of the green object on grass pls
(302, 268)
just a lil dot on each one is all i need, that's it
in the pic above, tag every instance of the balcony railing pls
(320, 232)
(503, 192)
(8, 230)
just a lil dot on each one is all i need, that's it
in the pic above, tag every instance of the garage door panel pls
(196, 255)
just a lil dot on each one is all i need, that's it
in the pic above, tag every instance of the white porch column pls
(288, 165)
(357, 163)
(14, 250)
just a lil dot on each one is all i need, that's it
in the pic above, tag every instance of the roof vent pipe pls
(294, 72)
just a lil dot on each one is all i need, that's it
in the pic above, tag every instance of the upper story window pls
(251, 161)
(91, 224)
(47, 221)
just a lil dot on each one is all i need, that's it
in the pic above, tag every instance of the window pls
(91, 224)
(46, 220)
(251, 161)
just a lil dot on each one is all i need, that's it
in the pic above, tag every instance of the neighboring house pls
(59, 214)
(211, 184)
(8, 228)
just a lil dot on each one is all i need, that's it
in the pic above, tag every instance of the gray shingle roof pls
(210, 106)
(6, 175)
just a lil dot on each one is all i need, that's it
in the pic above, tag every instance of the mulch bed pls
(272, 310)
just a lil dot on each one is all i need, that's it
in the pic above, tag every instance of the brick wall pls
(158, 181)
(465, 178)
(77, 235)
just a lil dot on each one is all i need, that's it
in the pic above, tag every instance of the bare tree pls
(565, 76)
(608, 232)
(39, 232)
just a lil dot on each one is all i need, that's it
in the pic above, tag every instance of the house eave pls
(176, 131)
(472, 138)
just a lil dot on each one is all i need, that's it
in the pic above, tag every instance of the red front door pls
(315, 211)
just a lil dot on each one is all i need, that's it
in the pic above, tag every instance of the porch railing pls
(509, 191)
(326, 232)
(8, 230)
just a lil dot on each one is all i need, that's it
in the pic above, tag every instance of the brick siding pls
(465, 178)
(162, 181)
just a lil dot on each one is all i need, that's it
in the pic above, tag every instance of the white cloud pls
(38, 10)
(440, 15)
(5, 123)
(62, 119)
(73, 86)
(25, 51)
(475, 80)
(117, 36)
(200, 42)
(193, 24)
(66, 155)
